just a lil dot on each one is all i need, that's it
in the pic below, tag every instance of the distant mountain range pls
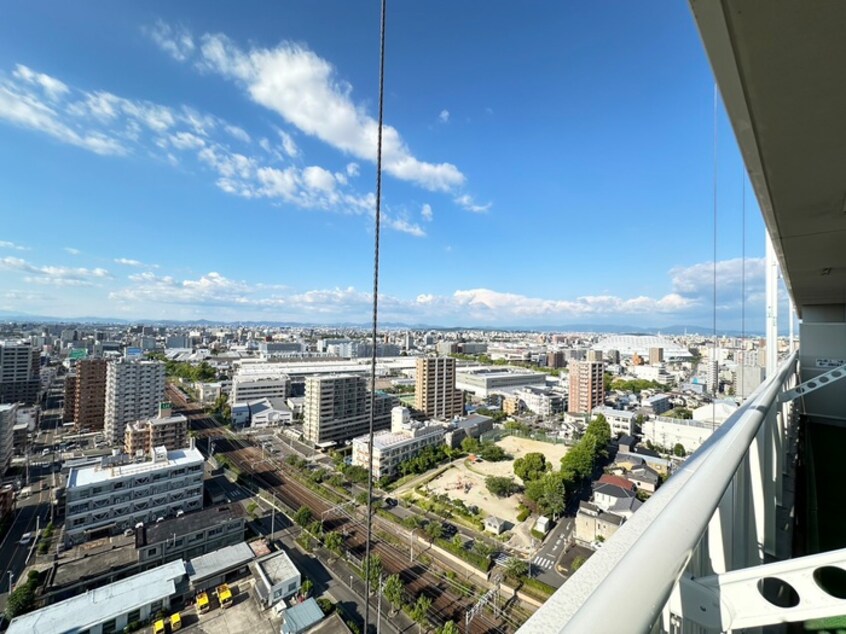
(9, 316)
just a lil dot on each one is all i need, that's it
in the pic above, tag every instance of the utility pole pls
(379, 608)
(272, 520)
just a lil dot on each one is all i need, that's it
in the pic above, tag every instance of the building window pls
(109, 627)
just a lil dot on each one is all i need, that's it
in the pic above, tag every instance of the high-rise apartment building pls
(556, 359)
(337, 408)
(435, 393)
(8, 416)
(69, 403)
(134, 390)
(20, 370)
(656, 356)
(90, 394)
(587, 389)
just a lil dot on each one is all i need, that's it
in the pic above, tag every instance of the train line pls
(447, 603)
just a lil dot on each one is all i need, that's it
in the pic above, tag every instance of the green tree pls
(333, 541)
(531, 466)
(516, 568)
(678, 450)
(420, 611)
(373, 570)
(303, 516)
(577, 563)
(394, 592)
(449, 628)
(501, 486)
(306, 587)
(434, 530)
(492, 452)
(470, 445)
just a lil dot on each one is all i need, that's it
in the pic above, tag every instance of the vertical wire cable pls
(714, 360)
(743, 270)
(378, 224)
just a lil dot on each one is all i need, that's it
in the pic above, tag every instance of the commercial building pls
(249, 385)
(391, 447)
(556, 359)
(337, 408)
(587, 387)
(656, 355)
(134, 390)
(484, 381)
(264, 412)
(89, 404)
(8, 418)
(110, 608)
(20, 367)
(435, 392)
(166, 430)
(747, 379)
(118, 494)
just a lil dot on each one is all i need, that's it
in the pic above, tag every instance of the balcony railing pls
(726, 508)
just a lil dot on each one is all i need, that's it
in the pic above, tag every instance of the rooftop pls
(84, 611)
(278, 567)
(218, 561)
(192, 522)
(84, 476)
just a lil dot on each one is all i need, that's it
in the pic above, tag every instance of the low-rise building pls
(593, 524)
(657, 405)
(109, 608)
(482, 381)
(403, 441)
(118, 494)
(621, 421)
(668, 432)
(277, 578)
(166, 430)
(541, 401)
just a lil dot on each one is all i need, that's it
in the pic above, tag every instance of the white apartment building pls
(118, 494)
(541, 402)
(620, 421)
(667, 432)
(252, 386)
(404, 440)
(337, 408)
(656, 373)
(134, 390)
(8, 417)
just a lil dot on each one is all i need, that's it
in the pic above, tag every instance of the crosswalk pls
(543, 562)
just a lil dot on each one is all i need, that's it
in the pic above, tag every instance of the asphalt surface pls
(545, 559)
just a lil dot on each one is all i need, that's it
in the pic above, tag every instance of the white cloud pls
(444, 116)
(288, 144)
(134, 263)
(404, 226)
(466, 201)
(72, 251)
(426, 212)
(109, 124)
(177, 42)
(57, 275)
(51, 86)
(304, 89)
(318, 178)
(5, 244)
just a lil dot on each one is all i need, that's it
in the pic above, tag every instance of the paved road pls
(544, 560)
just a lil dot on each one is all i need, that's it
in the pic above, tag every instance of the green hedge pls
(481, 562)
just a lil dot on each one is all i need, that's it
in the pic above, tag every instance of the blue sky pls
(544, 164)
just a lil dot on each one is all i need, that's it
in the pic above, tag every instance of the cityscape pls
(219, 414)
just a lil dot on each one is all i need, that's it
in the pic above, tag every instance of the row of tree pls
(546, 490)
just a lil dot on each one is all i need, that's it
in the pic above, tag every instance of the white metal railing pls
(716, 513)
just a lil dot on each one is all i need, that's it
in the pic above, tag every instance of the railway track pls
(447, 603)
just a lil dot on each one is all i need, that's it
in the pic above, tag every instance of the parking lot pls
(244, 616)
